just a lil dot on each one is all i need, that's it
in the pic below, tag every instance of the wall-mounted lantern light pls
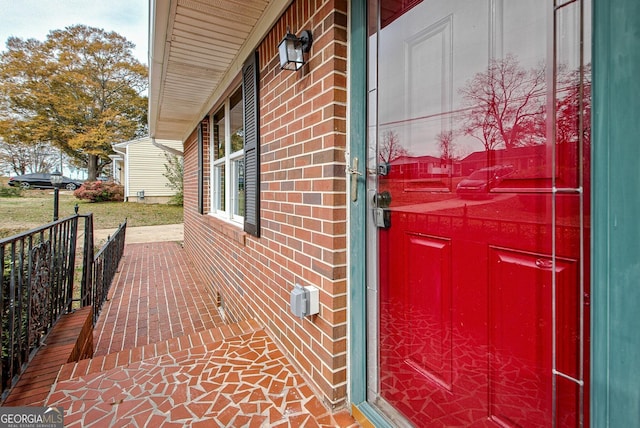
(292, 50)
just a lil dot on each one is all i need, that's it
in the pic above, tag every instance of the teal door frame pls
(357, 208)
(615, 224)
(357, 214)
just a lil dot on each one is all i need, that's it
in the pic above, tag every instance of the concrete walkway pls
(143, 234)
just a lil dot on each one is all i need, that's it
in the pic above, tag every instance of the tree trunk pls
(92, 167)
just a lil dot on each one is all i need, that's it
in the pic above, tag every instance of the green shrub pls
(177, 199)
(10, 192)
(174, 172)
(100, 191)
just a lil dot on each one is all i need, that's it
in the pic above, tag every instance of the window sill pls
(227, 229)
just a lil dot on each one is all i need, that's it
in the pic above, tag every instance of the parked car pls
(480, 182)
(42, 181)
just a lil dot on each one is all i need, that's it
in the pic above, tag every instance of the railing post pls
(87, 262)
(71, 269)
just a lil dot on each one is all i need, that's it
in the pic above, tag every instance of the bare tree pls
(25, 158)
(505, 104)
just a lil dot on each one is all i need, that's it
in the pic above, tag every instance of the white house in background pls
(139, 165)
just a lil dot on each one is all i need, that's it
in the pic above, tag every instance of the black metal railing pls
(86, 283)
(38, 285)
(105, 266)
(37, 280)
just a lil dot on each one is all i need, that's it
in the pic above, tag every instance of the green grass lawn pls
(35, 208)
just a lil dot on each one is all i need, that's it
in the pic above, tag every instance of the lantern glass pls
(290, 50)
(56, 178)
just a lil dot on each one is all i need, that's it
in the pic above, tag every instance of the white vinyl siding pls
(145, 168)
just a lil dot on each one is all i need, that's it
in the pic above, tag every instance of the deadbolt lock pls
(382, 199)
(381, 212)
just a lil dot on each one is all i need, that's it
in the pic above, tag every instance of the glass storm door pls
(478, 186)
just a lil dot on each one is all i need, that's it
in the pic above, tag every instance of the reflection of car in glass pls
(483, 180)
(42, 181)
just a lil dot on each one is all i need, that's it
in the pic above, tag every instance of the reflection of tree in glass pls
(505, 105)
(446, 145)
(572, 98)
(390, 147)
(237, 141)
(573, 130)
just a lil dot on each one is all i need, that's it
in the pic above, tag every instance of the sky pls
(36, 18)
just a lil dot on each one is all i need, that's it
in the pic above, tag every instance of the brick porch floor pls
(164, 357)
(153, 298)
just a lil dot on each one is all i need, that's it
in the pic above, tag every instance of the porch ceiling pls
(197, 48)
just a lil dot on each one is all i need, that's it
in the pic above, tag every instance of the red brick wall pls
(303, 203)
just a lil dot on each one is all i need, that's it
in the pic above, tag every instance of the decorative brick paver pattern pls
(152, 350)
(241, 381)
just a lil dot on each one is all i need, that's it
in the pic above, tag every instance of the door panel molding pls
(428, 303)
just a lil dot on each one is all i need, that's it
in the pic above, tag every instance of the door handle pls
(354, 173)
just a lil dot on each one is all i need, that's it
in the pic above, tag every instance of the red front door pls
(479, 208)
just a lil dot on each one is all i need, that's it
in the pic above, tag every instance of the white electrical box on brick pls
(305, 300)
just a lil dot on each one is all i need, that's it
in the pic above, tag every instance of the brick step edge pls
(128, 356)
(70, 339)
